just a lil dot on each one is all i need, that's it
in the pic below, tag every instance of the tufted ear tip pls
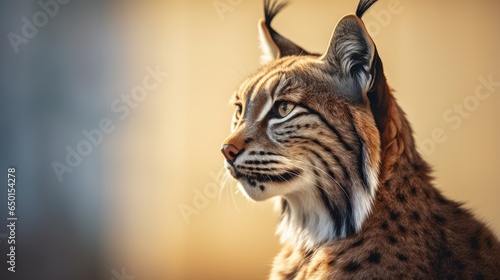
(363, 6)
(274, 45)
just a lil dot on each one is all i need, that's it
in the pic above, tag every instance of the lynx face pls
(280, 140)
(303, 130)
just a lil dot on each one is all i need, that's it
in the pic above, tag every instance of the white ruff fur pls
(308, 224)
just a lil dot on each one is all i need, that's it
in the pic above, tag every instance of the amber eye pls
(284, 108)
(239, 111)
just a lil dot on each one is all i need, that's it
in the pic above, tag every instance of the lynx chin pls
(322, 134)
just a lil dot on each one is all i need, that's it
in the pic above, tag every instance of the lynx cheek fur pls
(324, 136)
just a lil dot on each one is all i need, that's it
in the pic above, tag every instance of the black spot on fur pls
(427, 193)
(388, 184)
(394, 215)
(444, 253)
(358, 243)
(402, 229)
(474, 243)
(401, 197)
(459, 211)
(439, 219)
(402, 257)
(413, 191)
(415, 216)
(417, 166)
(442, 200)
(248, 140)
(352, 266)
(374, 257)
(384, 225)
(392, 239)
(332, 262)
(262, 188)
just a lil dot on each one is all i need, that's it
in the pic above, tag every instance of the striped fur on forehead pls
(253, 83)
(292, 75)
(261, 90)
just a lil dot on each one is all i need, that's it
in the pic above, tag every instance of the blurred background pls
(113, 112)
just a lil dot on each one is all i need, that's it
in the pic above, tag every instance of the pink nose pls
(230, 152)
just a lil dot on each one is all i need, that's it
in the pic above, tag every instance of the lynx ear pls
(274, 45)
(350, 56)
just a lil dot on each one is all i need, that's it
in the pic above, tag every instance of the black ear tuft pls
(271, 9)
(363, 6)
(272, 43)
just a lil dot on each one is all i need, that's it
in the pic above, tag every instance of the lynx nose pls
(230, 152)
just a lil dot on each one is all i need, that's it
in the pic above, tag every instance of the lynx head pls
(303, 131)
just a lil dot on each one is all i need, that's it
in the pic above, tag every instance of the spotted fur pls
(324, 136)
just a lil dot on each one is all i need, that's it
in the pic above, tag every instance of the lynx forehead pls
(323, 135)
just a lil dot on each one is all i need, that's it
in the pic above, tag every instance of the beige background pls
(434, 53)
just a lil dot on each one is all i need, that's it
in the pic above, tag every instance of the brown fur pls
(413, 232)
(356, 198)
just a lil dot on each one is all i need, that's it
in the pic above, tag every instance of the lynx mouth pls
(261, 186)
(266, 178)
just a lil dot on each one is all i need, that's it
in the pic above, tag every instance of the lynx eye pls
(239, 111)
(284, 108)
